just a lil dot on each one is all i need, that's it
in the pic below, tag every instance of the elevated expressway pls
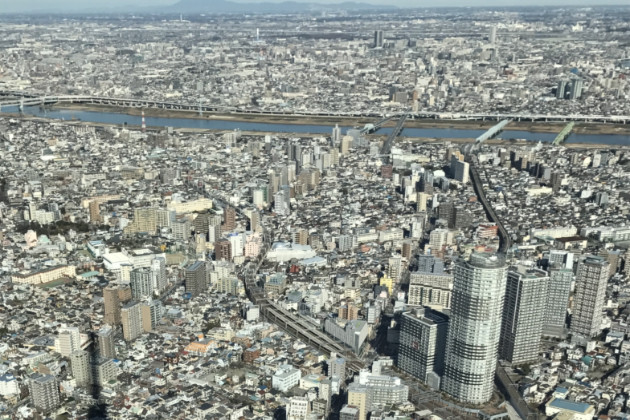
(24, 99)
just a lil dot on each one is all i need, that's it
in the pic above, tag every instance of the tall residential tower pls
(474, 327)
(590, 293)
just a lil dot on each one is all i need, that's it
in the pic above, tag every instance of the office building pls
(44, 392)
(298, 408)
(158, 274)
(492, 36)
(432, 290)
(349, 412)
(195, 278)
(299, 236)
(223, 250)
(131, 318)
(430, 264)
(348, 311)
(237, 244)
(151, 314)
(346, 143)
(214, 228)
(357, 397)
(459, 170)
(394, 268)
(557, 300)
(352, 333)
(560, 259)
(281, 204)
(345, 243)
(258, 197)
(112, 305)
(106, 343)
(387, 171)
(103, 370)
(523, 314)
(421, 204)
(181, 229)
(556, 181)
(439, 238)
(229, 219)
(141, 282)
(371, 391)
(408, 248)
(614, 259)
(378, 39)
(124, 293)
(145, 220)
(474, 328)
(285, 378)
(590, 293)
(254, 221)
(425, 185)
(561, 89)
(336, 135)
(422, 345)
(95, 212)
(68, 341)
(576, 88)
(446, 212)
(337, 367)
(462, 218)
(80, 364)
(430, 285)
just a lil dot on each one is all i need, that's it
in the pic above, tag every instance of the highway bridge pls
(24, 99)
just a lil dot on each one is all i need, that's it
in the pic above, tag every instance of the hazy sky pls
(59, 5)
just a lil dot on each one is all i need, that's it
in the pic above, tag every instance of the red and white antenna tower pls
(144, 123)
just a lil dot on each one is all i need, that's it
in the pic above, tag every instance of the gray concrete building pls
(423, 344)
(590, 293)
(523, 314)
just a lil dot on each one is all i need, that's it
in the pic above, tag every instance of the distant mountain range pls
(225, 6)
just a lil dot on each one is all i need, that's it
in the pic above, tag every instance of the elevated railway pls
(386, 149)
(562, 136)
(505, 242)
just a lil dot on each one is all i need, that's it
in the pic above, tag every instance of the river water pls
(216, 124)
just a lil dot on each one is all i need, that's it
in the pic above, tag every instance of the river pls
(217, 124)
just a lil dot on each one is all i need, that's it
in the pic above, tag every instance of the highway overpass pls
(24, 99)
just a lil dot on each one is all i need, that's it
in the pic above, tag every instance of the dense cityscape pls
(337, 262)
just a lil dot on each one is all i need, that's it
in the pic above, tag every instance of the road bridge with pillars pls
(32, 99)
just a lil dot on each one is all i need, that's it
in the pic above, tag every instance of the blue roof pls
(561, 390)
(562, 404)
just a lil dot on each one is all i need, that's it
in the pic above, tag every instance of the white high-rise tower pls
(475, 327)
